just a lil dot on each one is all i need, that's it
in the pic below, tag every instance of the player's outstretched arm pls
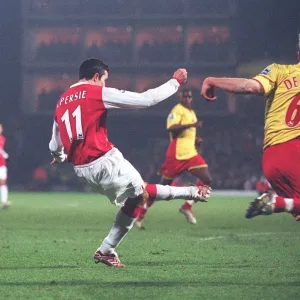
(114, 98)
(231, 85)
(56, 146)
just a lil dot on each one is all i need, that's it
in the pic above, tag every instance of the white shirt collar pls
(79, 83)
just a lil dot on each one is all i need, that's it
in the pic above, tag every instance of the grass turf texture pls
(48, 241)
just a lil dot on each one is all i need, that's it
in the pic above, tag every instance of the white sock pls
(166, 192)
(120, 228)
(3, 194)
(289, 204)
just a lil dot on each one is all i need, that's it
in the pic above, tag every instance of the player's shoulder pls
(278, 68)
(290, 68)
(177, 108)
(270, 69)
(284, 68)
(274, 72)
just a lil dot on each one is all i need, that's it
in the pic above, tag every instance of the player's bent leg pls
(152, 191)
(291, 205)
(204, 178)
(186, 210)
(166, 192)
(280, 168)
(124, 221)
(203, 174)
(195, 193)
(269, 203)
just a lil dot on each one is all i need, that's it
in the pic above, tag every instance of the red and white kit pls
(3, 158)
(79, 130)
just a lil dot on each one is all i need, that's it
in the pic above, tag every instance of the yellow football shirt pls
(185, 141)
(281, 85)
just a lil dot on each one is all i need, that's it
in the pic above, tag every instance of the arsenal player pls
(3, 172)
(79, 136)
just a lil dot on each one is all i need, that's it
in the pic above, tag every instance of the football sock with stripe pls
(123, 223)
(291, 205)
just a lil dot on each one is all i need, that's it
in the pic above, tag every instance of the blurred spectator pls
(59, 51)
(161, 52)
(217, 51)
(209, 7)
(40, 180)
(112, 52)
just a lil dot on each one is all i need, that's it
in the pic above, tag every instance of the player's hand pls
(58, 157)
(208, 90)
(180, 75)
(198, 124)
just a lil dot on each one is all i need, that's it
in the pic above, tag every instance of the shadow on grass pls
(180, 263)
(124, 284)
(37, 268)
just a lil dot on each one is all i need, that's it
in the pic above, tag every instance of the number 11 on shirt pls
(66, 120)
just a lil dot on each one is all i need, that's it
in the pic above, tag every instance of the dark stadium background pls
(260, 32)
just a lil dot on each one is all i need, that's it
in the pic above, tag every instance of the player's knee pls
(208, 181)
(2, 182)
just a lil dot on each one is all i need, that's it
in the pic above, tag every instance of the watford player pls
(182, 154)
(281, 154)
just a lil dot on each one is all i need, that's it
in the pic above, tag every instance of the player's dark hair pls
(185, 91)
(92, 66)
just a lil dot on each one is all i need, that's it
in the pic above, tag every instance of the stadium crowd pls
(135, 7)
(119, 52)
(233, 152)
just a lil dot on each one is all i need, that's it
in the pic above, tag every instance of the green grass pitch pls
(47, 243)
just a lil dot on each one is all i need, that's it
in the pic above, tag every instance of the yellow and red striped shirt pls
(185, 142)
(281, 85)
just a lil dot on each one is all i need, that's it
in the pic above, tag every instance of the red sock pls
(279, 205)
(152, 191)
(142, 213)
(186, 205)
(287, 204)
(199, 183)
(131, 208)
(296, 209)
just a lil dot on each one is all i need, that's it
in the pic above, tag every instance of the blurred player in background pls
(281, 155)
(3, 171)
(182, 154)
(79, 128)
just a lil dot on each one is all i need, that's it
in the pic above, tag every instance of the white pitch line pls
(220, 237)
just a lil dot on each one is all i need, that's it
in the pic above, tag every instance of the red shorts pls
(172, 167)
(281, 166)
